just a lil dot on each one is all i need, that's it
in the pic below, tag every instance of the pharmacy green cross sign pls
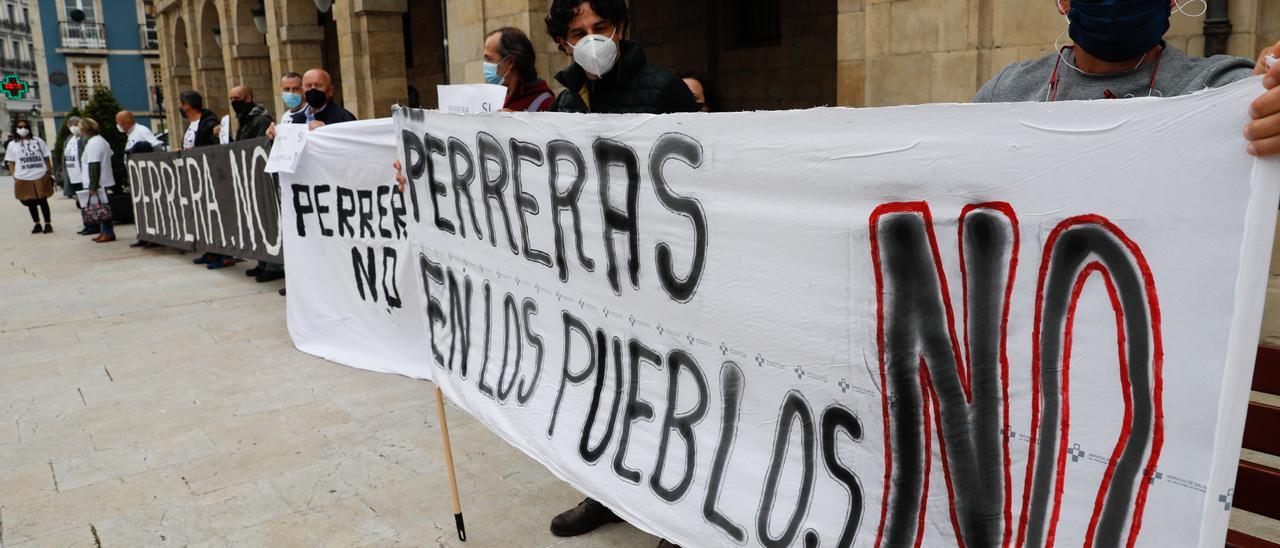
(13, 86)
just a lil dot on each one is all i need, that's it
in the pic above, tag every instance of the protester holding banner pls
(291, 96)
(609, 74)
(138, 137)
(201, 121)
(202, 130)
(510, 60)
(28, 159)
(253, 122)
(97, 161)
(317, 89)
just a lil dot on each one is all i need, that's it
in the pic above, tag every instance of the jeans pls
(108, 229)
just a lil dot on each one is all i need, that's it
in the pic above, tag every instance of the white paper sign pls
(287, 147)
(82, 196)
(471, 98)
(988, 324)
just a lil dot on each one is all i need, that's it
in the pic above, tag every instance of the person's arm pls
(95, 175)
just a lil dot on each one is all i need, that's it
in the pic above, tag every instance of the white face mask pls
(23, 132)
(75, 130)
(596, 53)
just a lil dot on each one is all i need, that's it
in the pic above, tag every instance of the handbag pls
(95, 211)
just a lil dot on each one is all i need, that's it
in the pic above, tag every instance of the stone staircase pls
(1255, 512)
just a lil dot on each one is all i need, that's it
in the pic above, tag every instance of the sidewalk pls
(146, 401)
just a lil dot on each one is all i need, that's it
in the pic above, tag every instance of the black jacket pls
(253, 124)
(634, 85)
(204, 131)
(333, 113)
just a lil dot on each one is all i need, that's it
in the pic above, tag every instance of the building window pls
(12, 10)
(85, 6)
(88, 76)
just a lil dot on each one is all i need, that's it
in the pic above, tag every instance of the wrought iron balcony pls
(84, 35)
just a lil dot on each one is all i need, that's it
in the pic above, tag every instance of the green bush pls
(103, 107)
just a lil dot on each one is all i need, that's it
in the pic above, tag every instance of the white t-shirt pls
(189, 138)
(98, 150)
(140, 133)
(224, 134)
(288, 116)
(28, 157)
(71, 159)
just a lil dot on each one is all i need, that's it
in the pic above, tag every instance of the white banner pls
(996, 324)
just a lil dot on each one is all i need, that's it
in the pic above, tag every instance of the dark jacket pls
(634, 85)
(531, 97)
(204, 131)
(333, 113)
(254, 123)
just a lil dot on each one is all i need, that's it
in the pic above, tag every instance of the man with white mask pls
(609, 74)
(1118, 51)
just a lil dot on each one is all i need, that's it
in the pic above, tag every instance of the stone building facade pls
(764, 54)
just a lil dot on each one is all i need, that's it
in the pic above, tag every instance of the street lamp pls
(259, 14)
(324, 5)
(217, 36)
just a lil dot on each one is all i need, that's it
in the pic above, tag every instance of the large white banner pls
(990, 324)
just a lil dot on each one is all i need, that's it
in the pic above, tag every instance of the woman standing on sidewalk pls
(96, 160)
(29, 161)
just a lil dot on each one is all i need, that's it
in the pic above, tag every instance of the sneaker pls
(268, 276)
(203, 259)
(36, 229)
(584, 518)
(254, 272)
(48, 228)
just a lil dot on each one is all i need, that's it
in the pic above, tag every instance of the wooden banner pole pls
(448, 459)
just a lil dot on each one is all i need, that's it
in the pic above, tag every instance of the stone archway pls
(211, 77)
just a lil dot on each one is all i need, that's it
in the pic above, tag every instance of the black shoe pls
(254, 272)
(203, 259)
(149, 245)
(36, 229)
(281, 292)
(89, 231)
(664, 543)
(138, 244)
(584, 518)
(268, 276)
(48, 228)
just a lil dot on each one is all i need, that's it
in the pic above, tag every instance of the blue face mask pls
(291, 100)
(1118, 30)
(490, 71)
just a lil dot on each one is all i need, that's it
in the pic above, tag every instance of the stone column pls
(371, 44)
(295, 41)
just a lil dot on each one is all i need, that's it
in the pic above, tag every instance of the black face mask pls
(240, 107)
(316, 98)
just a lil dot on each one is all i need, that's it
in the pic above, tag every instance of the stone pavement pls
(145, 401)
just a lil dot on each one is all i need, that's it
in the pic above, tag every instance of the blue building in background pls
(84, 46)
